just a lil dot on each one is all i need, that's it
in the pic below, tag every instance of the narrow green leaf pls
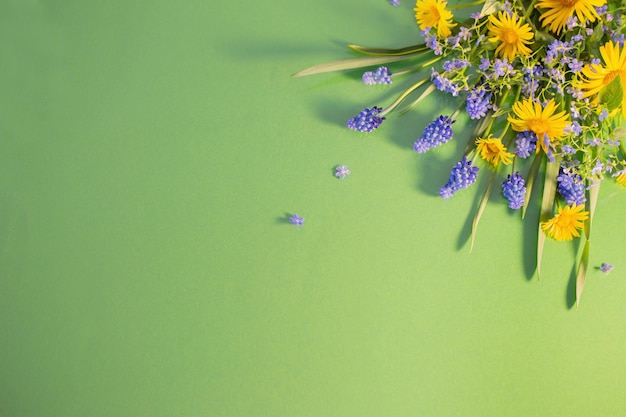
(547, 205)
(581, 273)
(350, 63)
(597, 34)
(389, 52)
(481, 208)
(530, 182)
(424, 94)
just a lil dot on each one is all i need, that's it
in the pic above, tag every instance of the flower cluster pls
(544, 84)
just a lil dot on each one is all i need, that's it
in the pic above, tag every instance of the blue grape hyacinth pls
(571, 188)
(435, 134)
(380, 75)
(514, 190)
(463, 175)
(367, 120)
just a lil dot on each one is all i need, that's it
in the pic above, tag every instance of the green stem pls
(402, 97)
(529, 10)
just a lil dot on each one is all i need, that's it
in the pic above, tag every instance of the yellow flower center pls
(509, 36)
(539, 126)
(569, 3)
(435, 16)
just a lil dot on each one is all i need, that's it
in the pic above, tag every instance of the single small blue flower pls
(575, 65)
(571, 188)
(603, 115)
(435, 134)
(525, 144)
(379, 76)
(501, 67)
(296, 221)
(606, 267)
(464, 33)
(463, 175)
(573, 128)
(514, 190)
(598, 168)
(342, 171)
(367, 120)
(394, 2)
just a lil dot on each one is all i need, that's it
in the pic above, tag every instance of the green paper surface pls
(150, 156)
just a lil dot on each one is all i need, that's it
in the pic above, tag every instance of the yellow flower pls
(596, 77)
(621, 179)
(566, 223)
(542, 120)
(558, 11)
(433, 14)
(512, 36)
(493, 151)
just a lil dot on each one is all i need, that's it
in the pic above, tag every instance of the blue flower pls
(501, 67)
(525, 144)
(514, 190)
(435, 134)
(367, 120)
(342, 171)
(379, 76)
(295, 220)
(603, 115)
(606, 267)
(463, 175)
(571, 188)
(394, 2)
(477, 103)
(573, 128)
(444, 84)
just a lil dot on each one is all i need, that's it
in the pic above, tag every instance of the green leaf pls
(350, 63)
(530, 182)
(389, 52)
(597, 34)
(581, 273)
(619, 133)
(547, 205)
(611, 95)
(481, 208)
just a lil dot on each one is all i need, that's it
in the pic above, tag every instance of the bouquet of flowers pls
(544, 83)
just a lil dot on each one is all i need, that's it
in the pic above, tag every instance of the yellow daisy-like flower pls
(512, 36)
(433, 14)
(566, 223)
(596, 77)
(558, 11)
(542, 120)
(493, 151)
(621, 179)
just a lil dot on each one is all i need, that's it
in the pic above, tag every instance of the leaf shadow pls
(570, 292)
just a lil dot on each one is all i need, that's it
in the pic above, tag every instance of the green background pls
(150, 155)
